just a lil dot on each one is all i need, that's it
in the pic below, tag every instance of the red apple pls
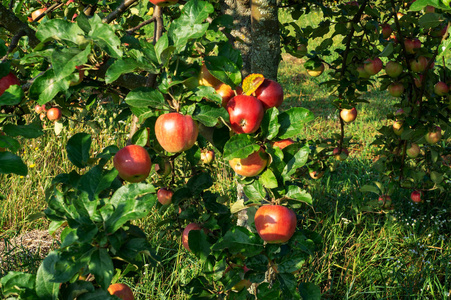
(419, 64)
(393, 69)
(396, 89)
(416, 196)
(40, 108)
(245, 113)
(385, 199)
(207, 156)
(373, 66)
(386, 31)
(341, 156)
(250, 166)
(133, 163)
(275, 224)
(185, 234)
(429, 9)
(283, 143)
(441, 88)
(163, 3)
(7, 81)
(54, 114)
(434, 136)
(226, 92)
(270, 93)
(416, 44)
(409, 45)
(398, 127)
(176, 132)
(164, 196)
(315, 72)
(348, 115)
(121, 290)
(42, 116)
(413, 151)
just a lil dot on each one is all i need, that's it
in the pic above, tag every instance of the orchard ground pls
(367, 251)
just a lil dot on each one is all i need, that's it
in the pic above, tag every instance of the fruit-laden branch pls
(118, 11)
(11, 23)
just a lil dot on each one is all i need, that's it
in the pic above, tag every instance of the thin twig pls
(151, 20)
(118, 11)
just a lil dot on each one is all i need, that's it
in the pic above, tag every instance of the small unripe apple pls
(316, 174)
(409, 46)
(301, 50)
(348, 115)
(362, 73)
(54, 114)
(396, 89)
(341, 156)
(398, 127)
(164, 196)
(385, 199)
(416, 196)
(433, 137)
(207, 156)
(315, 72)
(413, 151)
(441, 88)
(393, 69)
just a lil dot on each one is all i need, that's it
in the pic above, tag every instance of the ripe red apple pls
(121, 290)
(413, 151)
(188, 228)
(283, 143)
(245, 113)
(133, 163)
(206, 79)
(54, 114)
(226, 92)
(441, 88)
(398, 127)
(341, 156)
(373, 66)
(163, 3)
(386, 31)
(434, 136)
(315, 72)
(270, 93)
(250, 166)
(40, 108)
(42, 116)
(164, 196)
(396, 89)
(7, 81)
(416, 196)
(419, 64)
(412, 45)
(176, 132)
(275, 224)
(348, 115)
(416, 44)
(393, 69)
(207, 156)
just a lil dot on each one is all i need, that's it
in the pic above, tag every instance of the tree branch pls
(118, 11)
(11, 23)
(151, 20)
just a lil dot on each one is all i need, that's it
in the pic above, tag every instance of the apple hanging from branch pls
(275, 224)
(176, 132)
(133, 163)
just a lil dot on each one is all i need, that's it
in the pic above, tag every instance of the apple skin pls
(316, 71)
(341, 156)
(433, 137)
(54, 114)
(270, 93)
(396, 89)
(275, 224)
(163, 3)
(416, 196)
(412, 45)
(385, 199)
(133, 163)
(348, 115)
(283, 143)
(245, 113)
(207, 156)
(37, 13)
(393, 69)
(316, 174)
(386, 31)
(121, 290)
(40, 108)
(188, 228)
(164, 196)
(362, 73)
(176, 132)
(398, 127)
(419, 64)
(7, 81)
(373, 66)
(226, 92)
(206, 79)
(413, 151)
(250, 166)
(441, 88)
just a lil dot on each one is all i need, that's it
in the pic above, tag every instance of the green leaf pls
(200, 182)
(119, 67)
(76, 289)
(309, 291)
(130, 202)
(420, 4)
(240, 240)
(11, 163)
(388, 50)
(12, 96)
(209, 113)
(296, 193)
(288, 285)
(293, 121)
(101, 266)
(97, 295)
(78, 148)
(198, 244)
(255, 191)
(96, 181)
(270, 123)
(161, 45)
(29, 131)
(207, 92)
(293, 262)
(60, 30)
(146, 97)
(47, 86)
(239, 146)
(15, 283)
(9, 143)
(46, 289)
(223, 69)
(103, 35)
(61, 267)
(265, 291)
(133, 249)
(268, 179)
(65, 60)
(295, 162)
(369, 188)
(430, 20)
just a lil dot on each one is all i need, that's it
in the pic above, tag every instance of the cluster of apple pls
(53, 114)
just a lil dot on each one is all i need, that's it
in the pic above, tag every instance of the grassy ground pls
(366, 254)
